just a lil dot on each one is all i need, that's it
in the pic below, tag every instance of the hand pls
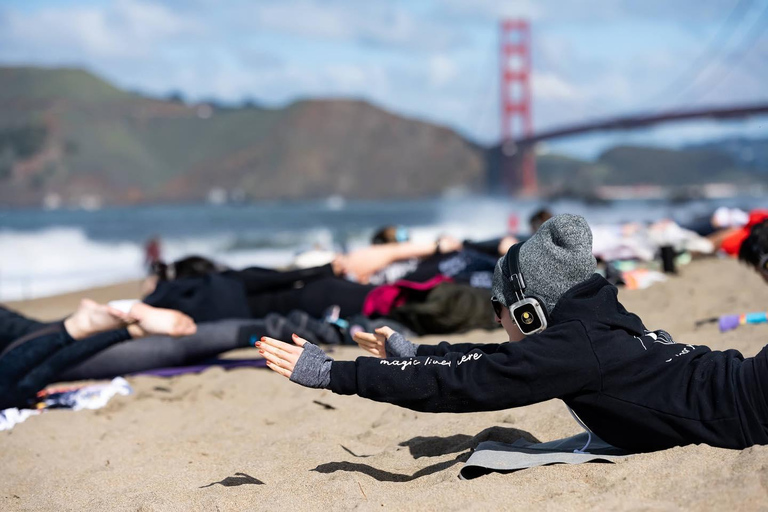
(151, 320)
(281, 357)
(91, 318)
(375, 342)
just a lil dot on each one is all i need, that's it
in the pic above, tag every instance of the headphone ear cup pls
(530, 315)
(543, 308)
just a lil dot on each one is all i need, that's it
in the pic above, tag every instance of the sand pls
(251, 440)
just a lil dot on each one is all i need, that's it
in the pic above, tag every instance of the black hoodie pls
(636, 389)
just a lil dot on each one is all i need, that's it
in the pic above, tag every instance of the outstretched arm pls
(363, 263)
(537, 369)
(385, 342)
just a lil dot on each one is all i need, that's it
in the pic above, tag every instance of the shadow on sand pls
(234, 481)
(429, 447)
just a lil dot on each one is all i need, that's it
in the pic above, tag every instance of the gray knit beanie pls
(557, 257)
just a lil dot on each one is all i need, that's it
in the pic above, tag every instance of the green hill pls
(69, 133)
(27, 83)
(71, 137)
(630, 165)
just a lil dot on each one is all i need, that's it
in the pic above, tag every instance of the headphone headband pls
(515, 275)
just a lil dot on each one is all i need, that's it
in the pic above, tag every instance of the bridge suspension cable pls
(701, 64)
(737, 55)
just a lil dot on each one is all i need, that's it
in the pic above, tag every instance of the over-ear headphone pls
(529, 313)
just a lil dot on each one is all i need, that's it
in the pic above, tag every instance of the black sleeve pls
(490, 247)
(260, 280)
(553, 364)
(14, 326)
(443, 348)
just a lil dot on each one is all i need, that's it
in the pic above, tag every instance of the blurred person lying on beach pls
(731, 241)
(636, 389)
(721, 219)
(392, 255)
(36, 359)
(199, 288)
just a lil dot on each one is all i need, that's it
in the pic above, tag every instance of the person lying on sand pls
(197, 287)
(387, 262)
(731, 240)
(634, 388)
(32, 362)
(158, 351)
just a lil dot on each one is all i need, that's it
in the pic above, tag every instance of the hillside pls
(68, 133)
(639, 165)
(630, 164)
(67, 137)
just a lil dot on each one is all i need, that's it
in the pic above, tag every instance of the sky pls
(435, 60)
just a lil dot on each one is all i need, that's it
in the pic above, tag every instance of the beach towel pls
(91, 396)
(491, 456)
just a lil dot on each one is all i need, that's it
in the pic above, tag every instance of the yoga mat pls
(227, 364)
(490, 456)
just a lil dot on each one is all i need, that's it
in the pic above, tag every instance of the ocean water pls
(48, 252)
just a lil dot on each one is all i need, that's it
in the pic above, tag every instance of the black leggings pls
(210, 340)
(35, 361)
(51, 355)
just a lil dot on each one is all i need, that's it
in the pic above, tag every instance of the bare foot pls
(151, 320)
(91, 318)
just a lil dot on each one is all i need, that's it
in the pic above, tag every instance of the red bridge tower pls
(518, 164)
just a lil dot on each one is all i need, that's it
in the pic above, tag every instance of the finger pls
(364, 337)
(368, 343)
(278, 361)
(298, 340)
(277, 369)
(282, 355)
(385, 331)
(280, 345)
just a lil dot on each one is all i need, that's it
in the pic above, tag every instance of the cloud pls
(442, 70)
(374, 22)
(592, 58)
(125, 28)
(592, 11)
(549, 86)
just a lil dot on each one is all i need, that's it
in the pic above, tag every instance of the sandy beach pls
(249, 439)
